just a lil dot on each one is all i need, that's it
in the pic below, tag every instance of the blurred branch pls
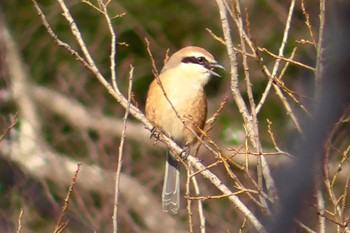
(47, 164)
(83, 118)
(19, 229)
(333, 100)
(41, 161)
(321, 208)
(13, 123)
(319, 50)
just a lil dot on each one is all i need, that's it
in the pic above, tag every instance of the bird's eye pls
(201, 60)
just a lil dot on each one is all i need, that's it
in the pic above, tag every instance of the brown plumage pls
(183, 78)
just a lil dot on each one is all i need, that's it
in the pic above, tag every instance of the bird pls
(176, 104)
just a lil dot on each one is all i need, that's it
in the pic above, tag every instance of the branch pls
(120, 156)
(247, 118)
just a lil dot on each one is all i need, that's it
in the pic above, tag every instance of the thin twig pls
(254, 121)
(200, 205)
(251, 122)
(113, 52)
(189, 201)
(321, 209)
(89, 63)
(226, 191)
(272, 76)
(19, 229)
(60, 226)
(219, 39)
(345, 200)
(210, 122)
(13, 123)
(341, 162)
(303, 41)
(308, 24)
(291, 93)
(337, 214)
(239, 101)
(87, 2)
(204, 198)
(120, 156)
(78, 37)
(59, 42)
(319, 50)
(303, 226)
(280, 54)
(269, 130)
(286, 59)
(244, 224)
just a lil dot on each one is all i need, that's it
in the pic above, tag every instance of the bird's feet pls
(185, 152)
(155, 133)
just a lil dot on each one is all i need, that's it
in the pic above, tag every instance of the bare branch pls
(120, 157)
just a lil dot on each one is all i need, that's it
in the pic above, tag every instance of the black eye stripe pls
(197, 60)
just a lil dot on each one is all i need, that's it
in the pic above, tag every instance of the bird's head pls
(193, 63)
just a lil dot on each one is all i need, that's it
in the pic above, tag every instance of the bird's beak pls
(213, 66)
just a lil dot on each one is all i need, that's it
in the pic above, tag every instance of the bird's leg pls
(185, 152)
(155, 133)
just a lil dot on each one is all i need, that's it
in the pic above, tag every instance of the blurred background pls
(75, 118)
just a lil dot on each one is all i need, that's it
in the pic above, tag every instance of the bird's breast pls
(183, 102)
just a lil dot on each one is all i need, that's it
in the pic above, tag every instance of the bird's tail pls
(171, 186)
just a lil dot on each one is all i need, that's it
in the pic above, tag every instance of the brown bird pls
(183, 78)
